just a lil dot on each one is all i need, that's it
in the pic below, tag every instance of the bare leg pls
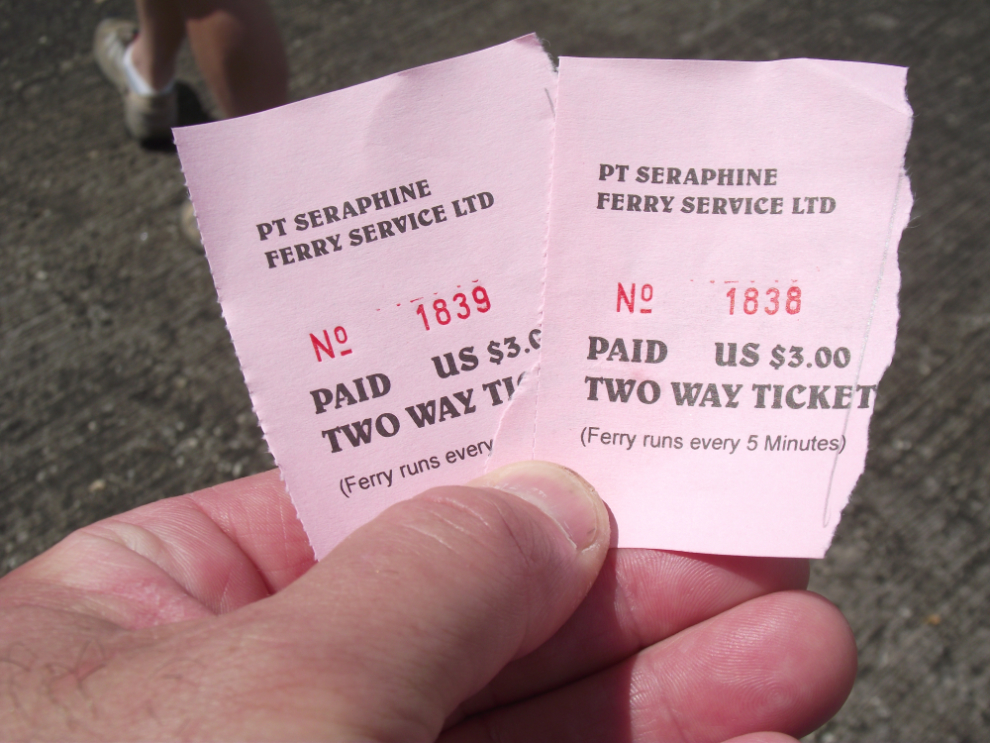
(162, 29)
(235, 42)
(239, 51)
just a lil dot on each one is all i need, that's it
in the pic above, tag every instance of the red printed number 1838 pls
(772, 300)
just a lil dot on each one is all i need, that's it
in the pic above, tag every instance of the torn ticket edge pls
(888, 283)
(512, 444)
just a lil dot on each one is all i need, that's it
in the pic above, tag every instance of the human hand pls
(464, 614)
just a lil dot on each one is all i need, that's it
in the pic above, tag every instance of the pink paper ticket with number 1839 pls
(378, 253)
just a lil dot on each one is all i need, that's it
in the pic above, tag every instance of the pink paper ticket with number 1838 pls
(721, 293)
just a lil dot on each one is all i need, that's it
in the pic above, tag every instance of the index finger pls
(208, 552)
(641, 597)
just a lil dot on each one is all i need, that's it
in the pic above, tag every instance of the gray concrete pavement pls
(118, 383)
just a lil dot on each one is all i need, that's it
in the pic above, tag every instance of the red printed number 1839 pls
(460, 307)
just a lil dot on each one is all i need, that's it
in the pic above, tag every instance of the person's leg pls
(239, 52)
(235, 42)
(161, 29)
(237, 48)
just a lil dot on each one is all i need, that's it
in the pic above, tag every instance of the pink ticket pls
(721, 293)
(378, 253)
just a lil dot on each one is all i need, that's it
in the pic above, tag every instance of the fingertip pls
(781, 662)
(810, 657)
(837, 654)
(562, 494)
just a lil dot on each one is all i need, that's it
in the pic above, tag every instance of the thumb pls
(421, 607)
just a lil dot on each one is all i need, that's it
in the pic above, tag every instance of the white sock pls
(136, 82)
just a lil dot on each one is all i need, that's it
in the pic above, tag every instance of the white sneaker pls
(148, 118)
